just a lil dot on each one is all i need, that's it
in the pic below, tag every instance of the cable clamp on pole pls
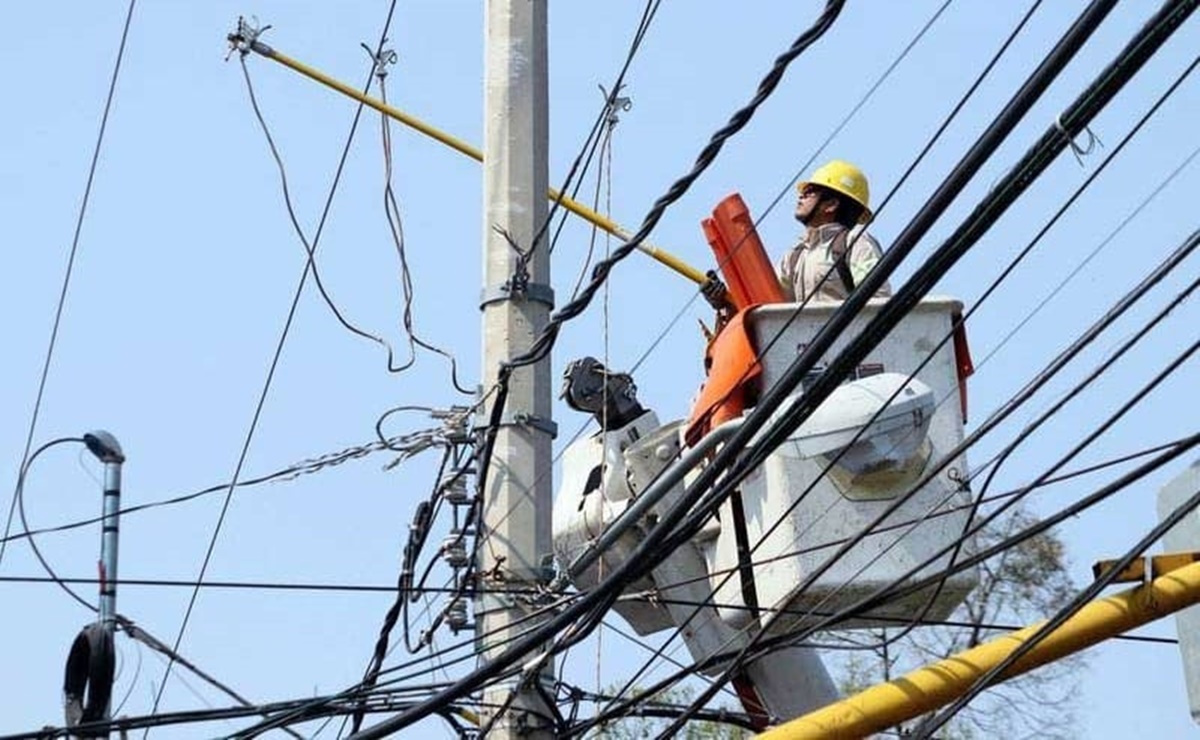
(1079, 151)
(523, 419)
(521, 290)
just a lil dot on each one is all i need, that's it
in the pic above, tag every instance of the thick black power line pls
(383, 703)
(62, 295)
(270, 374)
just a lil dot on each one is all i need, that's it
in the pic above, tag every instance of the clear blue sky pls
(187, 263)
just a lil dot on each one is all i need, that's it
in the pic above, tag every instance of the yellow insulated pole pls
(928, 688)
(666, 258)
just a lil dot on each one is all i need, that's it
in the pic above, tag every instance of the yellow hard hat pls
(844, 178)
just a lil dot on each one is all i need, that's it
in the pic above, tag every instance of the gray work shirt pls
(808, 269)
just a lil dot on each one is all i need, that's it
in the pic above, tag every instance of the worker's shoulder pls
(859, 236)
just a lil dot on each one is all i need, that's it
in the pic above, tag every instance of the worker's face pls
(810, 206)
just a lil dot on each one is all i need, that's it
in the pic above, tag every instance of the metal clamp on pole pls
(529, 420)
(536, 292)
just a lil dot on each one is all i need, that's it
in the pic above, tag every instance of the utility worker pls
(833, 206)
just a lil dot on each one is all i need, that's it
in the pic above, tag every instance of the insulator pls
(454, 550)
(456, 615)
(454, 487)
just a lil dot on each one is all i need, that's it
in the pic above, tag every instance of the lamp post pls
(87, 683)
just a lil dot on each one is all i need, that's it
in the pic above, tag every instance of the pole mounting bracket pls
(507, 291)
(532, 421)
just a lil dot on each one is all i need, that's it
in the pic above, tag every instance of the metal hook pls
(1079, 151)
(614, 103)
(382, 59)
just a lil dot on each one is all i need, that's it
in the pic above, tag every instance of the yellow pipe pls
(925, 689)
(462, 147)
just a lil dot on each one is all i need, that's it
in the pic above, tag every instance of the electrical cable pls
(391, 209)
(306, 467)
(143, 637)
(987, 626)
(188, 717)
(19, 499)
(398, 604)
(331, 588)
(494, 637)
(583, 158)
(267, 382)
(310, 247)
(910, 522)
(62, 295)
(708, 154)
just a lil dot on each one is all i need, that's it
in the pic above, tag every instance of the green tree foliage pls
(1022, 585)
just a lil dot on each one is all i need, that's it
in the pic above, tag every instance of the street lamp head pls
(104, 446)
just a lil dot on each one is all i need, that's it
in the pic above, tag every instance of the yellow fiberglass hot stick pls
(244, 42)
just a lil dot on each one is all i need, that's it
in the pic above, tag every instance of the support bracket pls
(529, 420)
(536, 292)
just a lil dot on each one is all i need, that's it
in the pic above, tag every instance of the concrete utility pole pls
(516, 518)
